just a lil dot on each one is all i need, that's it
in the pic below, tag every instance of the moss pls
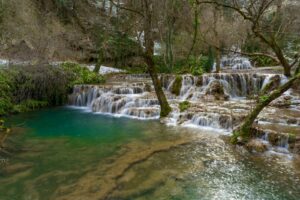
(176, 87)
(263, 98)
(292, 138)
(183, 106)
(165, 112)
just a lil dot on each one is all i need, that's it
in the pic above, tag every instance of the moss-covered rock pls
(215, 91)
(183, 106)
(256, 146)
(176, 87)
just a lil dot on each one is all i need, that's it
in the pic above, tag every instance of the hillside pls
(43, 30)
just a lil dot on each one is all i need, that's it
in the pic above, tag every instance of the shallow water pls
(66, 153)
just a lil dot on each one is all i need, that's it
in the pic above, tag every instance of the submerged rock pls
(257, 146)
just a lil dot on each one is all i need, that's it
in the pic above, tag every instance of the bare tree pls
(266, 22)
(145, 12)
(266, 18)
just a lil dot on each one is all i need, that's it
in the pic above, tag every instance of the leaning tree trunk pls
(244, 130)
(164, 105)
(149, 46)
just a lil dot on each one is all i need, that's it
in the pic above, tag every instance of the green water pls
(65, 153)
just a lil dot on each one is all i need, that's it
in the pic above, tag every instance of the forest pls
(144, 99)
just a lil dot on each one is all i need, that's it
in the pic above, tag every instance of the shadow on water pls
(70, 154)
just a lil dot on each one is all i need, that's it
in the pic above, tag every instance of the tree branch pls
(128, 9)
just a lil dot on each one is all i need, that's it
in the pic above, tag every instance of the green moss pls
(183, 106)
(176, 87)
(292, 138)
(263, 98)
(165, 112)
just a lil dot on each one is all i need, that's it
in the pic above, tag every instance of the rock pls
(16, 168)
(176, 87)
(282, 102)
(215, 91)
(255, 145)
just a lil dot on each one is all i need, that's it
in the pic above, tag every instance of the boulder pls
(215, 91)
(257, 146)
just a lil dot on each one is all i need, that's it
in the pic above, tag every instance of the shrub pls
(208, 65)
(183, 106)
(261, 61)
(29, 105)
(81, 75)
(25, 88)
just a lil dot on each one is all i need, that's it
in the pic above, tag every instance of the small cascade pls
(131, 100)
(235, 85)
(213, 120)
(277, 142)
(236, 62)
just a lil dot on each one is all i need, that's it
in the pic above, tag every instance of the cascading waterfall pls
(133, 96)
(131, 101)
(236, 62)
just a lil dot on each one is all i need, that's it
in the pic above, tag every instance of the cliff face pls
(44, 30)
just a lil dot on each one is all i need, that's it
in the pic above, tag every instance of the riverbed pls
(67, 153)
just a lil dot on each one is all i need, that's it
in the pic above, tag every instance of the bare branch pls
(127, 9)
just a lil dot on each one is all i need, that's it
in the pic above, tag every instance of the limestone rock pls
(215, 91)
(255, 145)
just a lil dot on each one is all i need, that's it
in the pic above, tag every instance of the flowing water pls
(68, 153)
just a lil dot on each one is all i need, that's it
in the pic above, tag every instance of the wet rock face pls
(215, 91)
(256, 146)
(282, 102)
(295, 145)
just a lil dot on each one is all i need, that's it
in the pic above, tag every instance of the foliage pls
(81, 75)
(5, 93)
(2, 10)
(25, 88)
(64, 9)
(120, 47)
(262, 61)
(29, 105)
(210, 61)
(263, 98)
(194, 65)
(183, 106)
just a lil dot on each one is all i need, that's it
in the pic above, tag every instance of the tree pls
(145, 13)
(244, 130)
(267, 23)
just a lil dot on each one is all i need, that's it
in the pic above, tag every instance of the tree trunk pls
(164, 105)
(99, 62)
(218, 60)
(244, 130)
(195, 35)
(149, 46)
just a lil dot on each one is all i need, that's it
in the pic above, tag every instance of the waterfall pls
(130, 101)
(235, 85)
(213, 120)
(236, 62)
(133, 96)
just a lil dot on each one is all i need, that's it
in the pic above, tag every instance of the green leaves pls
(183, 106)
